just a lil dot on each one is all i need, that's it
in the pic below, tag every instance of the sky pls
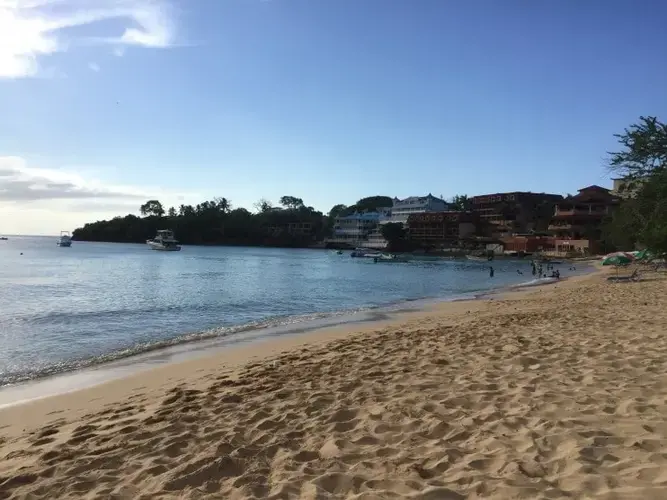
(105, 104)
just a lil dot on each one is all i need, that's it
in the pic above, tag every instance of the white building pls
(354, 229)
(402, 209)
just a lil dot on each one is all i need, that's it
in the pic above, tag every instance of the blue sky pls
(104, 103)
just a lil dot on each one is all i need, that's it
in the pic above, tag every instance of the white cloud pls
(33, 29)
(33, 199)
(94, 67)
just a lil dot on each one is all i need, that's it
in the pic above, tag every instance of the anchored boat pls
(164, 241)
(65, 239)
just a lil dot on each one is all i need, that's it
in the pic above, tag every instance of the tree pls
(461, 202)
(222, 204)
(394, 233)
(369, 204)
(642, 160)
(337, 210)
(291, 202)
(263, 205)
(644, 149)
(171, 212)
(152, 207)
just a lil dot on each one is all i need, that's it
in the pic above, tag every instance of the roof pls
(521, 193)
(593, 187)
(419, 198)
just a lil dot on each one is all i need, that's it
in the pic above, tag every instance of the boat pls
(385, 257)
(165, 241)
(65, 239)
(3, 238)
(479, 258)
(366, 253)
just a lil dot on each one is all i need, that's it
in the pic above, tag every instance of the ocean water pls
(62, 309)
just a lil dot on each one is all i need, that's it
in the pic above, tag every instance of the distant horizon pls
(277, 205)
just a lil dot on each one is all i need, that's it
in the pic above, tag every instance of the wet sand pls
(550, 392)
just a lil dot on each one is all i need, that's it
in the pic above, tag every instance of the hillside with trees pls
(215, 222)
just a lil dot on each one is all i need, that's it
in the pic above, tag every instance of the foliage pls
(337, 210)
(369, 204)
(461, 202)
(291, 202)
(644, 149)
(213, 222)
(263, 205)
(152, 208)
(395, 234)
(642, 218)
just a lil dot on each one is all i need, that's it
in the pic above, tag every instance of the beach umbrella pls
(622, 255)
(618, 259)
(643, 255)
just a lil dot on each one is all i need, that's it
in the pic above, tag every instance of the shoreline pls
(177, 350)
(546, 392)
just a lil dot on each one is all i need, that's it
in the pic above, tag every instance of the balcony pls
(581, 211)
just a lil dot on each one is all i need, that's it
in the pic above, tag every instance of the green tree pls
(337, 210)
(291, 202)
(642, 162)
(461, 202)
(152, 207)
(222, 204)
(263, 205)
(369, 204)
(171, 212)
(644, 149)
(394, 233)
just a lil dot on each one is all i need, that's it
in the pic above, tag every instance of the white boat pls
(477, 258)
(164, 241)
(386, 257)
(365, 253)
(65, 239)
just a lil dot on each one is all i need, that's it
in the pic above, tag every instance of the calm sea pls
(66, 308)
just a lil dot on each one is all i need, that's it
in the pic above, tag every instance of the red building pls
(437, 228)
(528, 243)
(516, 212)
(580, 217)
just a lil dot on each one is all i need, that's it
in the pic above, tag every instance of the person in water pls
(491, 272)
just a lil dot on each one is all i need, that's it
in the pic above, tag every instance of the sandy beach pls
(552, 392)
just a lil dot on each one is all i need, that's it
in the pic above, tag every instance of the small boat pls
(478, 258)
(366, 253)
(164, 241)
(65, 239)
(3, 238)
(389, 258)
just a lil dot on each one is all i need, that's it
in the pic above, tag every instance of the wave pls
(313, 320)
(18, 376)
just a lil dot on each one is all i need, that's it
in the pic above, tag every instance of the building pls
(402, 209)
(580, 217)
(528, 243)
(354, 229)
(440, 228)
(516, 212)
